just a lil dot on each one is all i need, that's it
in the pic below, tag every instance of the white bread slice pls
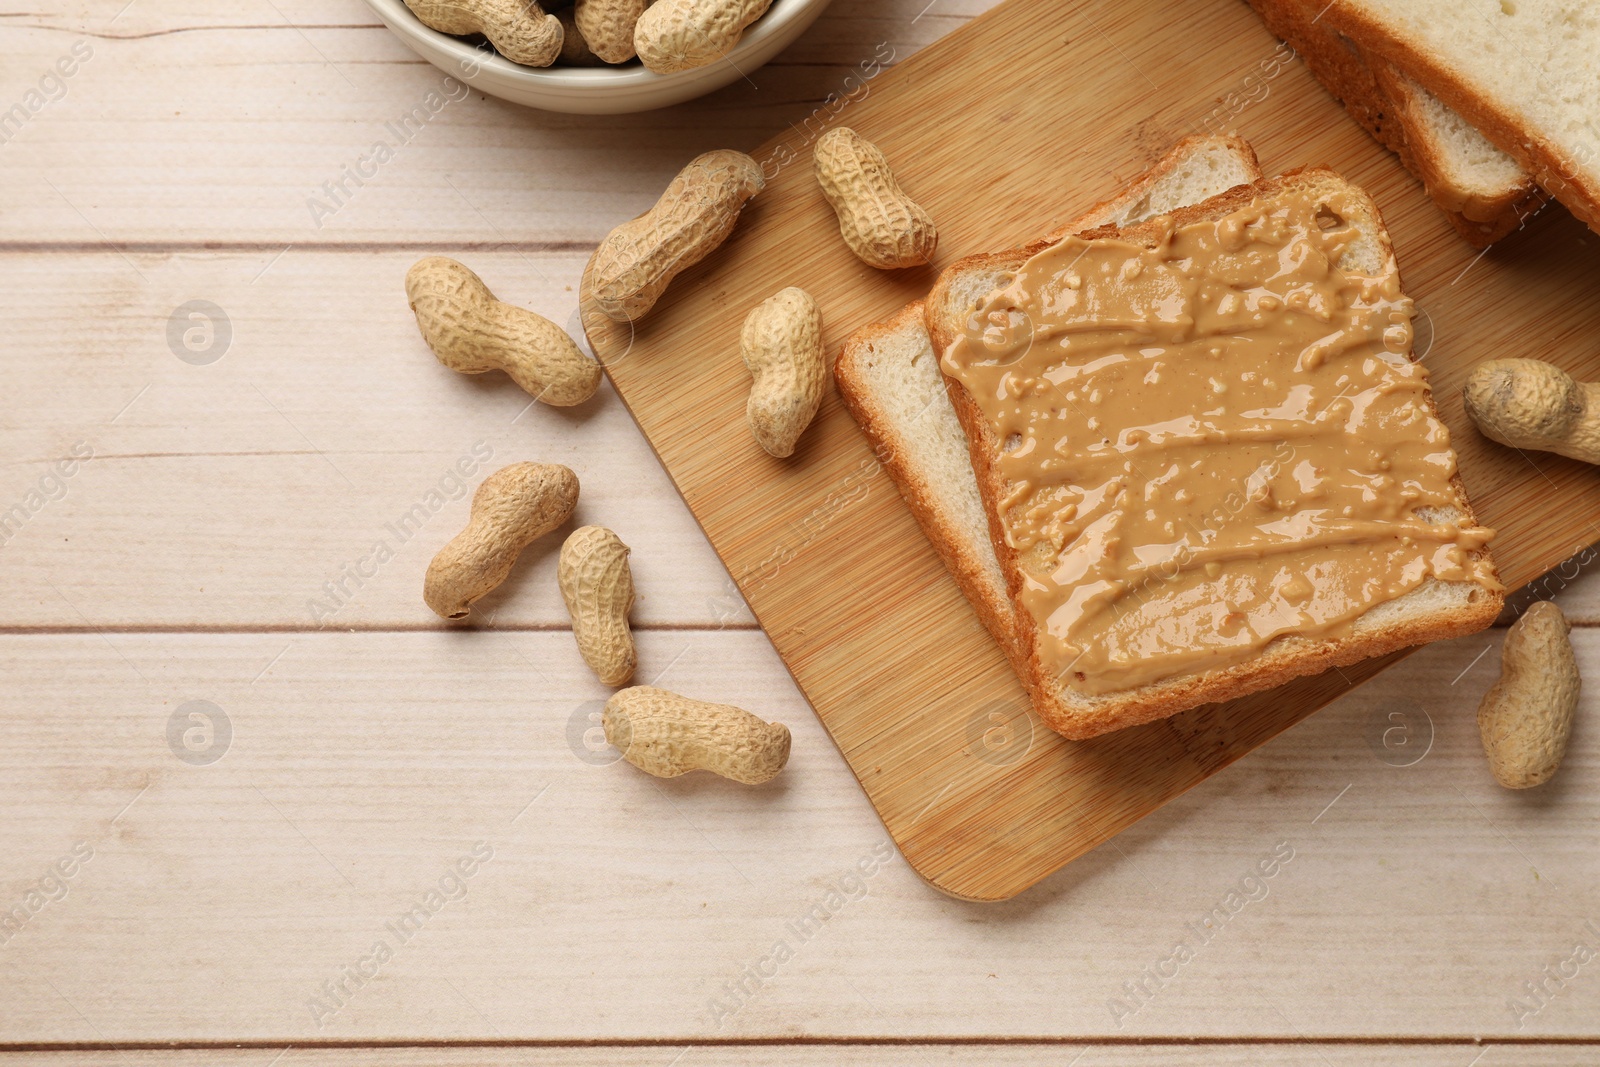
(1520, 71)
(1464, 173)
(1482, 191)
(1436, 609)
(889, 377)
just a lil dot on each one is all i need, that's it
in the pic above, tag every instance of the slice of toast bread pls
(889, 378)
(1486, 191)
(1481, 190)
(1520, 72)
(1436, 609)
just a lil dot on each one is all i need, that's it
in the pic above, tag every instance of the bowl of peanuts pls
(598, 57)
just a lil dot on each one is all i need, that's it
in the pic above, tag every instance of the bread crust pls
(1489, 217)
(1372, 90)
(1280, 660)
(1135, 191)
(1575, 186)
(1343, 71)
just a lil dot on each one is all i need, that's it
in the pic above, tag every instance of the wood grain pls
(229, 493)
(1066, 1054)
(195, 123)
(616, 907)
(861, 611)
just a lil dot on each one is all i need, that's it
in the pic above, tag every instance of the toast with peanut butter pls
(889, 377)
(1209, 461)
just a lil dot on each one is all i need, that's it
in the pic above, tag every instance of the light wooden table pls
(229, 912)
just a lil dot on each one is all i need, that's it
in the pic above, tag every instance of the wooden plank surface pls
(187, 149)
(287, 450)
(220, 897)
(1087, 1054)
(192, 123)
(875, 632)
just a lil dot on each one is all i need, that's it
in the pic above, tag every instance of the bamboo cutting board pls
(1022, 119)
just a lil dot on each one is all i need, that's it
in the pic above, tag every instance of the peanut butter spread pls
(1210, 443)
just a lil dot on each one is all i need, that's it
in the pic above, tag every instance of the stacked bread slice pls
(1490, 103)
(939, 450)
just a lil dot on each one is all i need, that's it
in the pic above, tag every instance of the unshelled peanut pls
(518, 29)
(1527, 403)
(472, 332)
(514, 506)
(684, 34)
(597, 585)
(1526, 717)
(666, 735)
(634, 264)
(574, 49)
(607, 26)
(882, 225)
(782, 343)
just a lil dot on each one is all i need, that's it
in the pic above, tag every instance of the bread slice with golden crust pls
(1520, 71)
(889, 378)
(1434, 610)
(1485, 192)
(1481, 190)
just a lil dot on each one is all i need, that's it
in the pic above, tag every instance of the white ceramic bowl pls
(598, 90)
